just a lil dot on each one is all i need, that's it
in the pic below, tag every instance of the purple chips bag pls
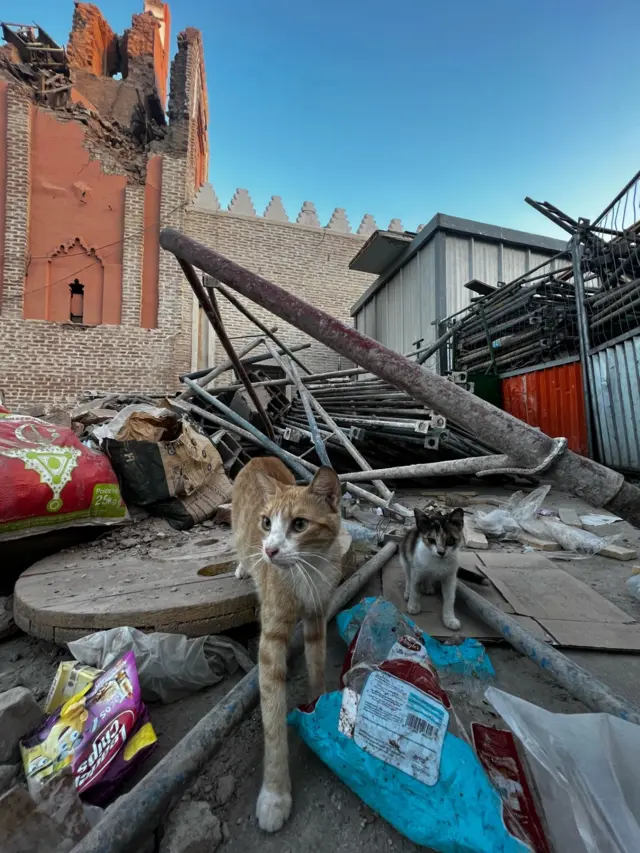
(102, 733)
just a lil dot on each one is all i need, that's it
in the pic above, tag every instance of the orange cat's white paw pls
(272, 810)
(241, 572)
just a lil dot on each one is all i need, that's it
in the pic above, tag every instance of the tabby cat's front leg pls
(274, 802)
(315, 650)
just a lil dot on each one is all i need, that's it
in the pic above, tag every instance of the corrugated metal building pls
(615, 389)
(421, 278)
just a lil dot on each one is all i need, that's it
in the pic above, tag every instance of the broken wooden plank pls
(474, 539)
(618, 552)
(538, 543)
(569, 516)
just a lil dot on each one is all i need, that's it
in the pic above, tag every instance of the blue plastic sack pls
(438, 796)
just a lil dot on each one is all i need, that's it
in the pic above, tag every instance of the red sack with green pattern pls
(50, 480)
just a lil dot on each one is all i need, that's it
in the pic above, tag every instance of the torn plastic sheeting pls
(523, 512)
(388, 734)
(148, 426)
(586, 770)
(170, 666)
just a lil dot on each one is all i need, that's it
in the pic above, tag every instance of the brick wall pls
(311, 262)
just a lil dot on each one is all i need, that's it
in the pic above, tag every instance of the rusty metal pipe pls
(524, 444)
(291, 371)
(252, 318)
(208, 304)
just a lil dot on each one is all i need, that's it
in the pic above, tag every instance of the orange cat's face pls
(300, 521)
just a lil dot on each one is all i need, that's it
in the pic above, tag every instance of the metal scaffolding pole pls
(525, 445)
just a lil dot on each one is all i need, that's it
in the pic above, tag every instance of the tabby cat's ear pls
(423, 522)
(457, 517)
(326, 485)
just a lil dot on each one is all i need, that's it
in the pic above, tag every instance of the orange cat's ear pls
(326, 485)
(269, 487)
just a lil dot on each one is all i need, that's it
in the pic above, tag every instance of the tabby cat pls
(287, 541)
(429, 553)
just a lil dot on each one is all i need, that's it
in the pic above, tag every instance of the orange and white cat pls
(287, 540)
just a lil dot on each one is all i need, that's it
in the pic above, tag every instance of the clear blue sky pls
(407, 109)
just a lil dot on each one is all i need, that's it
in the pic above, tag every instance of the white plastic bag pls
(170, 666)
(522, 512)
(586, 767)
(499, 523)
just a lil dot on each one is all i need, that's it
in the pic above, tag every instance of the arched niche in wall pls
(73, 289)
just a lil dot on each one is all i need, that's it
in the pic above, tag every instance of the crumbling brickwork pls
(93, 45)
(88, 183)
(84, 211)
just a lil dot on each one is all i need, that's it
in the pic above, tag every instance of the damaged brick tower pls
(93, 162)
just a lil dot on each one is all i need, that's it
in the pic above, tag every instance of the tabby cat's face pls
(301, 521)
(441, 533)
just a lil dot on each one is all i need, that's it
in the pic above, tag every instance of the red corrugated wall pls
(552, 400)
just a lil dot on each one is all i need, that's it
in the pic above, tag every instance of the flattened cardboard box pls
(545, 600)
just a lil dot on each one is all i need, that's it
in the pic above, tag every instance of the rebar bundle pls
(526, 322)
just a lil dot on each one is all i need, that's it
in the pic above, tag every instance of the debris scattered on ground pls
(7, 626)
(225, 789)
(54, 822)
(170, 666)
(192, 828)
(19, 713)
(8, 774)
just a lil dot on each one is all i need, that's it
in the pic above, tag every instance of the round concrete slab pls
(188, 588)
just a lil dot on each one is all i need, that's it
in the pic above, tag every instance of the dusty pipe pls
(598, 485)
(208, 304)
(210, 375)
(291, 371)
(453, 467)
(302, 469)
(245, 311)
(578, 681)
(319, 444)
(130, 819)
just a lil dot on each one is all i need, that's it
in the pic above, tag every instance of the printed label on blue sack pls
(401, 726)
(409, 648)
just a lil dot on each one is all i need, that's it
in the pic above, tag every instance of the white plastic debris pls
(586, 770)
(170, 666)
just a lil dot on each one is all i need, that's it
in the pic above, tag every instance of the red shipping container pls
(551, 399)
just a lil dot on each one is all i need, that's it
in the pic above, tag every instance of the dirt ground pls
(327, 816)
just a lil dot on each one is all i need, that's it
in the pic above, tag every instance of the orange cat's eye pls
(300, 524)
(266, 522)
